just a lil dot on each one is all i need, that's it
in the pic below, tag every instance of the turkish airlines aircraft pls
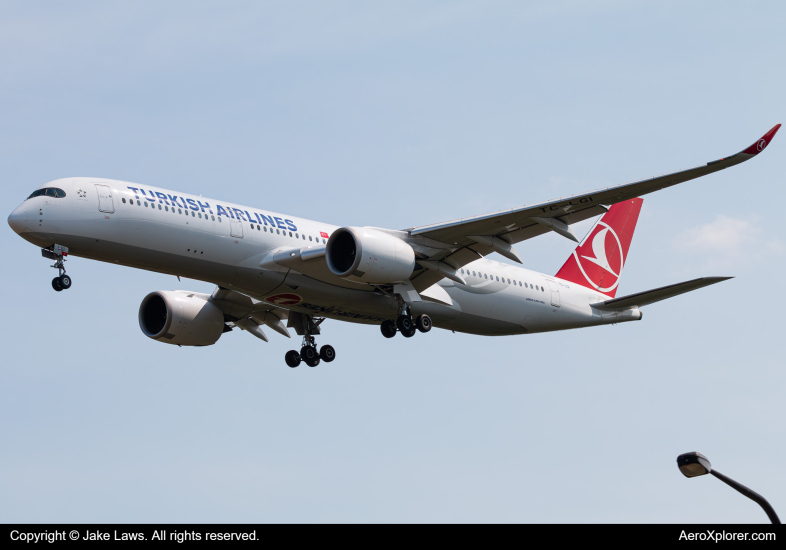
(285, 272)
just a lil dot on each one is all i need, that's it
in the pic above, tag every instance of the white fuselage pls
(223, 243)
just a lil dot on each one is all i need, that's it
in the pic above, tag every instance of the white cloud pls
(728, 241)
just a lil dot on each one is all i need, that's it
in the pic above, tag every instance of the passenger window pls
(296, 235)
(124, 201)
(179, 210)
(252, 226)
(145, 204)
(166, 208)
(278, 232)
(219, 219)
(309, 238)
(323, 241)
(200, 214)
(192, 214)
(497, 278)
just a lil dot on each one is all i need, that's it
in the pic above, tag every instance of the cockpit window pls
(49, 192)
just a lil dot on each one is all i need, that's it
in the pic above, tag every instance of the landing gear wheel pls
(423, 323)
(327, 353)
(292, 358)
(56, 284)
(65, 281)
(388, 329)
(309, 355)
(405, 324)
(409, 333)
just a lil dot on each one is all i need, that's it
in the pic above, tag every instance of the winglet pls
(765, 140)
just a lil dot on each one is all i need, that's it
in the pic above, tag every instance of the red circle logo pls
(284, 299)
(600, 258)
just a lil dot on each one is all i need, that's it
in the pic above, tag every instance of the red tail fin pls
(598, 261)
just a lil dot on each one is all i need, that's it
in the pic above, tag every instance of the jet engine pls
(367, 255)
(181, 318)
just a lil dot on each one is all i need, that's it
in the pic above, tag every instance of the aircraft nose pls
(18, 219)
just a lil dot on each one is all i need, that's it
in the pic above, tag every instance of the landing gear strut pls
(306, 326)
(63, 281)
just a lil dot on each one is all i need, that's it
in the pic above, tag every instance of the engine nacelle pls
(367, 255)
(181, 318)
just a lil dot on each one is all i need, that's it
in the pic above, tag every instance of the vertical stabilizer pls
(597, 262)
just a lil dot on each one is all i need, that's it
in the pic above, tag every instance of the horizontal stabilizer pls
(651, 296)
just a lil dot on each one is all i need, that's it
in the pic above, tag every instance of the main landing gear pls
(308, 353)
(63, 281)
(406, 325)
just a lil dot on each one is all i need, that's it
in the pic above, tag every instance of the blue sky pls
(398, 114)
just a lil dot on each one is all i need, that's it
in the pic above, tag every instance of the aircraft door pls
(236, 228)
(554, 293)
(105, 203)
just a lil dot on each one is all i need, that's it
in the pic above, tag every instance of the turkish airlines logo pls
(323, 234)
(284, 299)
(761, 145)
(602, 265)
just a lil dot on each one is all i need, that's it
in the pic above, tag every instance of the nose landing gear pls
(63, 281)
(307, 326)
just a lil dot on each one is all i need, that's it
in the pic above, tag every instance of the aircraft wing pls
(648, 297)
(459, 242)
(248, 313)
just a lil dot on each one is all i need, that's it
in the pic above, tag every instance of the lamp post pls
(696, 464)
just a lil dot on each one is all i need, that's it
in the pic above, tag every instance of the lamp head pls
(693, 464)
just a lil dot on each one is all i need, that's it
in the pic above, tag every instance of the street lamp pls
(696, 464)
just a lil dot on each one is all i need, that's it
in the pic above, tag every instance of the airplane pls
(285, 272)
